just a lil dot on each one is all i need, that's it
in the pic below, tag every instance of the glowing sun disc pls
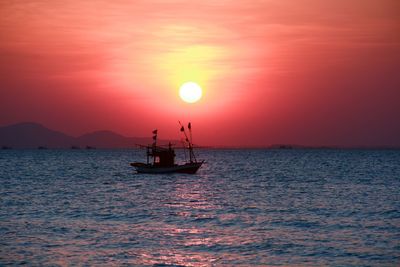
(190, 92)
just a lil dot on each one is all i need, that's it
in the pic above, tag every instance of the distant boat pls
(75, 147)
(42, 147)
(6, 147)
(90, 147)
(163, 158)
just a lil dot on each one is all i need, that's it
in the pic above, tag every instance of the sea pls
(244, 207)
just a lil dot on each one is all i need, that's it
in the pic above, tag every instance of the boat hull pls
(190, 168)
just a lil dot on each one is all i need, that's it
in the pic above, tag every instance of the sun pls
(190, 92)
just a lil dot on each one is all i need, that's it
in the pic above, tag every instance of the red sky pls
(307, 72)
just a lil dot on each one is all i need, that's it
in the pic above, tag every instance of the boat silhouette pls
(161, 159)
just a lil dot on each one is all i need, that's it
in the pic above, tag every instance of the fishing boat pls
(161, 159)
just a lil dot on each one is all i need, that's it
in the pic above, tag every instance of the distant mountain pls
(34, 135)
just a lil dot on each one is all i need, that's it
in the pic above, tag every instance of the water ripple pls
(244, 207)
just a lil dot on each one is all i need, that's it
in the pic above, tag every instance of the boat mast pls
(191, 154)
(191, 143)
(154, 145)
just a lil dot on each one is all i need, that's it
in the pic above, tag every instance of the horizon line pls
(280, 146)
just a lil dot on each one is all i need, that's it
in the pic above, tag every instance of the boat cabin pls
(163, 157)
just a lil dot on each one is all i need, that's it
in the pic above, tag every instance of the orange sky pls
(305, 72)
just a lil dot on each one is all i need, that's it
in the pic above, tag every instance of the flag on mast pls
(189, 126)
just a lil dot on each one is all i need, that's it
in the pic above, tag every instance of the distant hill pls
(34, 135)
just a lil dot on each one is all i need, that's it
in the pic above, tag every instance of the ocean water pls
(243, 208)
